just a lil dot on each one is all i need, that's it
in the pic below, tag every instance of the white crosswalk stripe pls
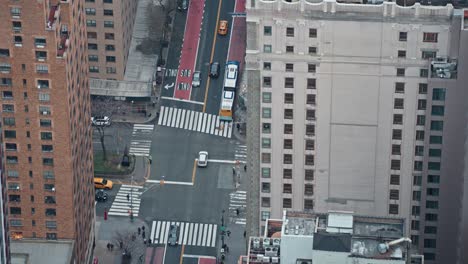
(240, 152)
(190, 234)
(194, 121)
(237, 206)
(122, 206)
(141, 140)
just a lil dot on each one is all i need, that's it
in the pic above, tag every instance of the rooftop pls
(27, 251)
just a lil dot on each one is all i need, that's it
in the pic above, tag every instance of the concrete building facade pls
(109, 31)
(46, 122)
(359, 108)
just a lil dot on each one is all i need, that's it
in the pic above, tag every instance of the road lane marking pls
(200, 235)
(212, 54)
(190, 125)
(192, 226)
(186, 234)
(170, 116)
(161, 115)
(210, 229)
(158, 226)
(166, 233)
(226, 161)
(200, 117)
(181, 233)
(213, 237)
(182, 254)
(152, 231)
(204, 122)
(204, 235)
(198, 256)
(194, 171)
(182, 100)
(170, 182)
(208, 122)
(213, 125)
(195, 235)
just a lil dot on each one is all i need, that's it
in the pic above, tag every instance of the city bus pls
(227, 102)
(230, 78)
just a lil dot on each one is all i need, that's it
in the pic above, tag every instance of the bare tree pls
(127, 242)
(105, 106)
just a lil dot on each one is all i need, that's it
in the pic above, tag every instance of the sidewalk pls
(106, 232)
(140, 173)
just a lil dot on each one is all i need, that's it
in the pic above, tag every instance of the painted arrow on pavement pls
(167, 86)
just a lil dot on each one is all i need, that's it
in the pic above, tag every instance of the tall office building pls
(109, 31)
(361, 108)
(46, 122)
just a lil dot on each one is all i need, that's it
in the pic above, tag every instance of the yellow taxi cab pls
(100, 183)
(223, 27)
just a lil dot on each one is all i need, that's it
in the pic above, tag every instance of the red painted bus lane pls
(189, 51)
(238, 36)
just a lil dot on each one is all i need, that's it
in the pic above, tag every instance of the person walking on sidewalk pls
(139, 231)
(108, 246)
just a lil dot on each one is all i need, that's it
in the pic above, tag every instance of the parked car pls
(173, 235)
(101, 183)
(101, 196)
(101, 121)
(202, 159)
(222, 27)
(196, 79)
(214, 70)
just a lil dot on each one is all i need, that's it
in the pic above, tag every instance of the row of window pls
(19, 223)
(48, 211)
(15, 186)
(288, 98)
(41, 84)
(104, 1)
(109, 70)
(105, 12)
(288, 159)
(425, 54)
(288, 143)
(289, 67)
(14, 147)
(92, 23)
(288, 113)
(267, 48)
(94, 46)
(287, 188)
(48, 174)
(288, 129)
(288, 174)
(289, 82)
(17, 198)
(268, 30)
(107, 35)
(45, 161)
(11, 134)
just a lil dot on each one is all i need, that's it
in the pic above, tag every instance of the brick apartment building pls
(46, 122)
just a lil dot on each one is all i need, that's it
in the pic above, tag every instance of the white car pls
(202, 159)
(101, 121)
(196, 79)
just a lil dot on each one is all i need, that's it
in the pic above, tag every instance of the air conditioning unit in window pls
(45, 113)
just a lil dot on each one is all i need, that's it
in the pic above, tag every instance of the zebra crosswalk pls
(141, 140)
(237, 206)
(240, 152)
(121, 205)
(194, 121)
(190, 234)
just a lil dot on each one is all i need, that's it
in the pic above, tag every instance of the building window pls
(429, 243)
(287, 143)
(419, 150)
(311, 68)
(9, 133)
(287, 203)
(288, 129)
(395, 164)
(288, 114)
(310, 130)
(432, 204)
(288, 82)
(422, 104)
(109, 36)
(394, 194)
(289, 67)
(423, 88)
(90, 11)
(51, 236)
(402, 36)
(92, 35)
(93, 57)
(310, 99)
(266, 172)
(110, 47)
(11, 159)
(423, 73)
(15, 210)
(267, 48)
(44, 97)
(266, 81)
(93, 69)
(289, 98)
(311, 83)
(5, 67)
(399, 87)
(6, 82)
(266, 157)
(107, 1)
(398, 103)
(14, 186)
(309, 144)
(430, 37)
(92, 46)
(265, 215)
(110, 58)
(417, 180)
(308, 204)
(438, 110)
(309, 160)
(435, 139)
(400, 72)
(8, 108)
(438, 94)
(309, 175)
(111, 70)
(402, 54)
(437, 125)
(396, 149)
(433, 166)
(90, 23)
(420, 120)
(309, 189)
(418, 165)
(267, 30)
(312, 50)
(428, 55)
(310, 114)
(11, 147)
(109, 24)
(265, 187)
(416, 196)
(267, 66)
(266, 143)
(289, 49)
(15, 12)
(393, 209)
(414, 225)
(108, 12)
(265, 202)
(266, 128)
(51, 224)
(289, 32)
(47, 148)
(42, 68)
(48, 161)
(287, 173)
(46, 135)
(266, 112)
(16, 25)
(312, 32)
(266, 97)
(18, 40)
(287, 159)
(431, 217)
(14, 198)
(435, 152)
(9, 121)
(395, 179)
(287, 188)
(397, 119)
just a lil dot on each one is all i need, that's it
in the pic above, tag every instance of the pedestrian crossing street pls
(194, 121)
(240, 153)
(121, 206)
(237, 206)
(141, 140)
(190, 234)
